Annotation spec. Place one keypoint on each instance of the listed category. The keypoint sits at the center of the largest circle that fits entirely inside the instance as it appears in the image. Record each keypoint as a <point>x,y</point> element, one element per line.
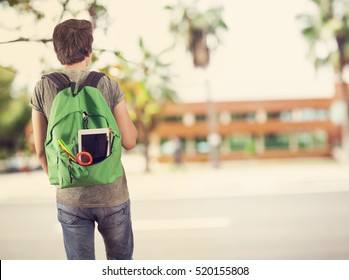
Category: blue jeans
<point>114,224</point>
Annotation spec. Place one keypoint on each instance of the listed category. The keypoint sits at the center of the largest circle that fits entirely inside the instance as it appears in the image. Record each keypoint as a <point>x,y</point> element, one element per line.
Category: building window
<point>312,139</point>
<point>172,119</point>
<point>273,115</point>
<point>201,118</point>
<point>277,141</point>
<point>249,117</point>
<point>242,142</point>
<point>310,114</point>
<point>201,145</point>
<point>167,146</point>
<point>285,116</point>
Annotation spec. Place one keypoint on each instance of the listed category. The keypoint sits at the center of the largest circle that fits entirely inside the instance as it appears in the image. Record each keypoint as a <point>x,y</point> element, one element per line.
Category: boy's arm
<point>128,130</point>
<point>39,132</point>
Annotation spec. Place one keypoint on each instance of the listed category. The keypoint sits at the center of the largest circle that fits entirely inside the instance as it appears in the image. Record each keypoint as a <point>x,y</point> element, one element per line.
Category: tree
<point>96,11</point>
<point>146,83</point>
<point>147,86</point>
<point>14,115</point>
<point>14,111</point>
<point>196,28</point>
<point>327,32</point>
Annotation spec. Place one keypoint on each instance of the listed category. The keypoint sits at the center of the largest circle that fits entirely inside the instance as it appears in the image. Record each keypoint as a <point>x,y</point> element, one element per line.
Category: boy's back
<point>102,195</point>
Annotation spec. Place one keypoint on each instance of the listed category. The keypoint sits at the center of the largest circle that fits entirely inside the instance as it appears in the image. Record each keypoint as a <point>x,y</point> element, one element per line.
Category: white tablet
<point>96,141</point>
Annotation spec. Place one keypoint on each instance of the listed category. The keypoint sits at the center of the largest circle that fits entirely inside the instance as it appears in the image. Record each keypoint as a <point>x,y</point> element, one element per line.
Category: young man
<point>79,208</point>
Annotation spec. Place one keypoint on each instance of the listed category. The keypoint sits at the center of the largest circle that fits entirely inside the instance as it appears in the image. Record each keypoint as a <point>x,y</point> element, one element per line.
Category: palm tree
<point>195,28</point>
<point>327,32</point>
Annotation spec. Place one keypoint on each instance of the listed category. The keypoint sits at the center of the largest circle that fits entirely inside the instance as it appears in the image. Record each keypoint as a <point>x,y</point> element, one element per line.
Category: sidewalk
<point>170,211</point>
<point>241,178</point>
<point>234,178</point>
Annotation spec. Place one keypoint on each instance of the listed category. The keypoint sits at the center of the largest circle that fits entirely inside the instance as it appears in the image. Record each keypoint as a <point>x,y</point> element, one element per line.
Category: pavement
<point>200,180</point>
<point>235,211</point>
<point>241,178</point>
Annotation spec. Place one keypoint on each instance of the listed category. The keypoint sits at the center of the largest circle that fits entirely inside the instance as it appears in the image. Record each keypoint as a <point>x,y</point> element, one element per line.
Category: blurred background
<point>242,113</point>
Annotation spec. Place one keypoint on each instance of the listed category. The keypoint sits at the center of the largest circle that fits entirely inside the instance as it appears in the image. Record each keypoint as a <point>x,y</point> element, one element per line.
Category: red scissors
<point>84,158</point>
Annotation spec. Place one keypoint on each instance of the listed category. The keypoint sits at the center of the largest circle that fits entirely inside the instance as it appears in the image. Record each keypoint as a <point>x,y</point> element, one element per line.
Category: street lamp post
<point>201,58</point>
<point>214,139</point>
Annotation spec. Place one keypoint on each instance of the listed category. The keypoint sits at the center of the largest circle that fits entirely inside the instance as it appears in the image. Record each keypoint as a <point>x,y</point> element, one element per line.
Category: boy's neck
<point>76,66</point>
<point>80,65</point>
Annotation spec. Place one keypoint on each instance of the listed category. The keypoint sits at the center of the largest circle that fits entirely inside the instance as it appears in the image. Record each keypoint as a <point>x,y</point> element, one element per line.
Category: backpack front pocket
<point>72,174</point>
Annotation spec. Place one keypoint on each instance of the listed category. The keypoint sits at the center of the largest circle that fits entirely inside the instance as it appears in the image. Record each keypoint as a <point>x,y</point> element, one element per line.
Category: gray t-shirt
<point>91,196</point>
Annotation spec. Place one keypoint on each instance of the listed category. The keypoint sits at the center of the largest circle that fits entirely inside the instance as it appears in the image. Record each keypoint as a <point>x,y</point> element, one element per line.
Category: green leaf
<point>140,42</point>
<point>346,51</point>
<point>331,27</point>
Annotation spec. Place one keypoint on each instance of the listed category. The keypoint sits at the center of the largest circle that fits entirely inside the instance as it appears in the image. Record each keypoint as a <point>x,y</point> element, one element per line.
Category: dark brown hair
<point>72,40</point>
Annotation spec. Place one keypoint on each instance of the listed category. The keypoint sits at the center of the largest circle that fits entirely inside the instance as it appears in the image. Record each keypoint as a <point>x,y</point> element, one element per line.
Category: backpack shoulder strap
<point>61,80</point>
<point>93,79</point>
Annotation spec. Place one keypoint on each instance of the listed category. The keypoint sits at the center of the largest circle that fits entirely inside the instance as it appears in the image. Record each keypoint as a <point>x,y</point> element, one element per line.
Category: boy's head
<point>72,41</point>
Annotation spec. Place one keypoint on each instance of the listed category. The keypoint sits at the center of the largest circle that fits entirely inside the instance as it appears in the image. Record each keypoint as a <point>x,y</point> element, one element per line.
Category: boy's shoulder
<point>79,76</point>
<point>106,83</point>
<point>44,84</point>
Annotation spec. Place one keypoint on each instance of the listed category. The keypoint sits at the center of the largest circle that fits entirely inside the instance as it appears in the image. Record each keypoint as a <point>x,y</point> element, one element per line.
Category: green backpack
<point>75,108</point>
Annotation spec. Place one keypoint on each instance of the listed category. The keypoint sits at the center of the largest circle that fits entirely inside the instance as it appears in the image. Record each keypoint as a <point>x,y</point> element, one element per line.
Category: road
<point>244,210</point>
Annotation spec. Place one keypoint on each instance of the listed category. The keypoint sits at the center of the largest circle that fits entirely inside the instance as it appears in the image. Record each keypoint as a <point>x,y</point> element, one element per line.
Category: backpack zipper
<point>84,120</point>
<point>86,117</point>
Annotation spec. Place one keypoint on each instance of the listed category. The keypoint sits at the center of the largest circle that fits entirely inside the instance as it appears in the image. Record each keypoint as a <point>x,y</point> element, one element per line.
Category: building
<point>249,129</point>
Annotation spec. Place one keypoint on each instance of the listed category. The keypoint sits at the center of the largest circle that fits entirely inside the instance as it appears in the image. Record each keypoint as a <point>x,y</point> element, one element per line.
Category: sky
<point>262,55</point>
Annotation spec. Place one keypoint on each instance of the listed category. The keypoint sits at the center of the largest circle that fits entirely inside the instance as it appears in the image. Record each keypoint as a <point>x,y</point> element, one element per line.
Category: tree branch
<point>21,39</point>
<point>65,4</point>
<point>116,53</point>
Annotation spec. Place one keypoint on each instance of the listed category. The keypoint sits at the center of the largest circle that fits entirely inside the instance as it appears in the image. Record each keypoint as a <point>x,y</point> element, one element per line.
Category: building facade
<point>248,129</point>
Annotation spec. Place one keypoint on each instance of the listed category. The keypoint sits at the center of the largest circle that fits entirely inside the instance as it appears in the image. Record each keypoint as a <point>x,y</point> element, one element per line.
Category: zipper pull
<point>84,120</point>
